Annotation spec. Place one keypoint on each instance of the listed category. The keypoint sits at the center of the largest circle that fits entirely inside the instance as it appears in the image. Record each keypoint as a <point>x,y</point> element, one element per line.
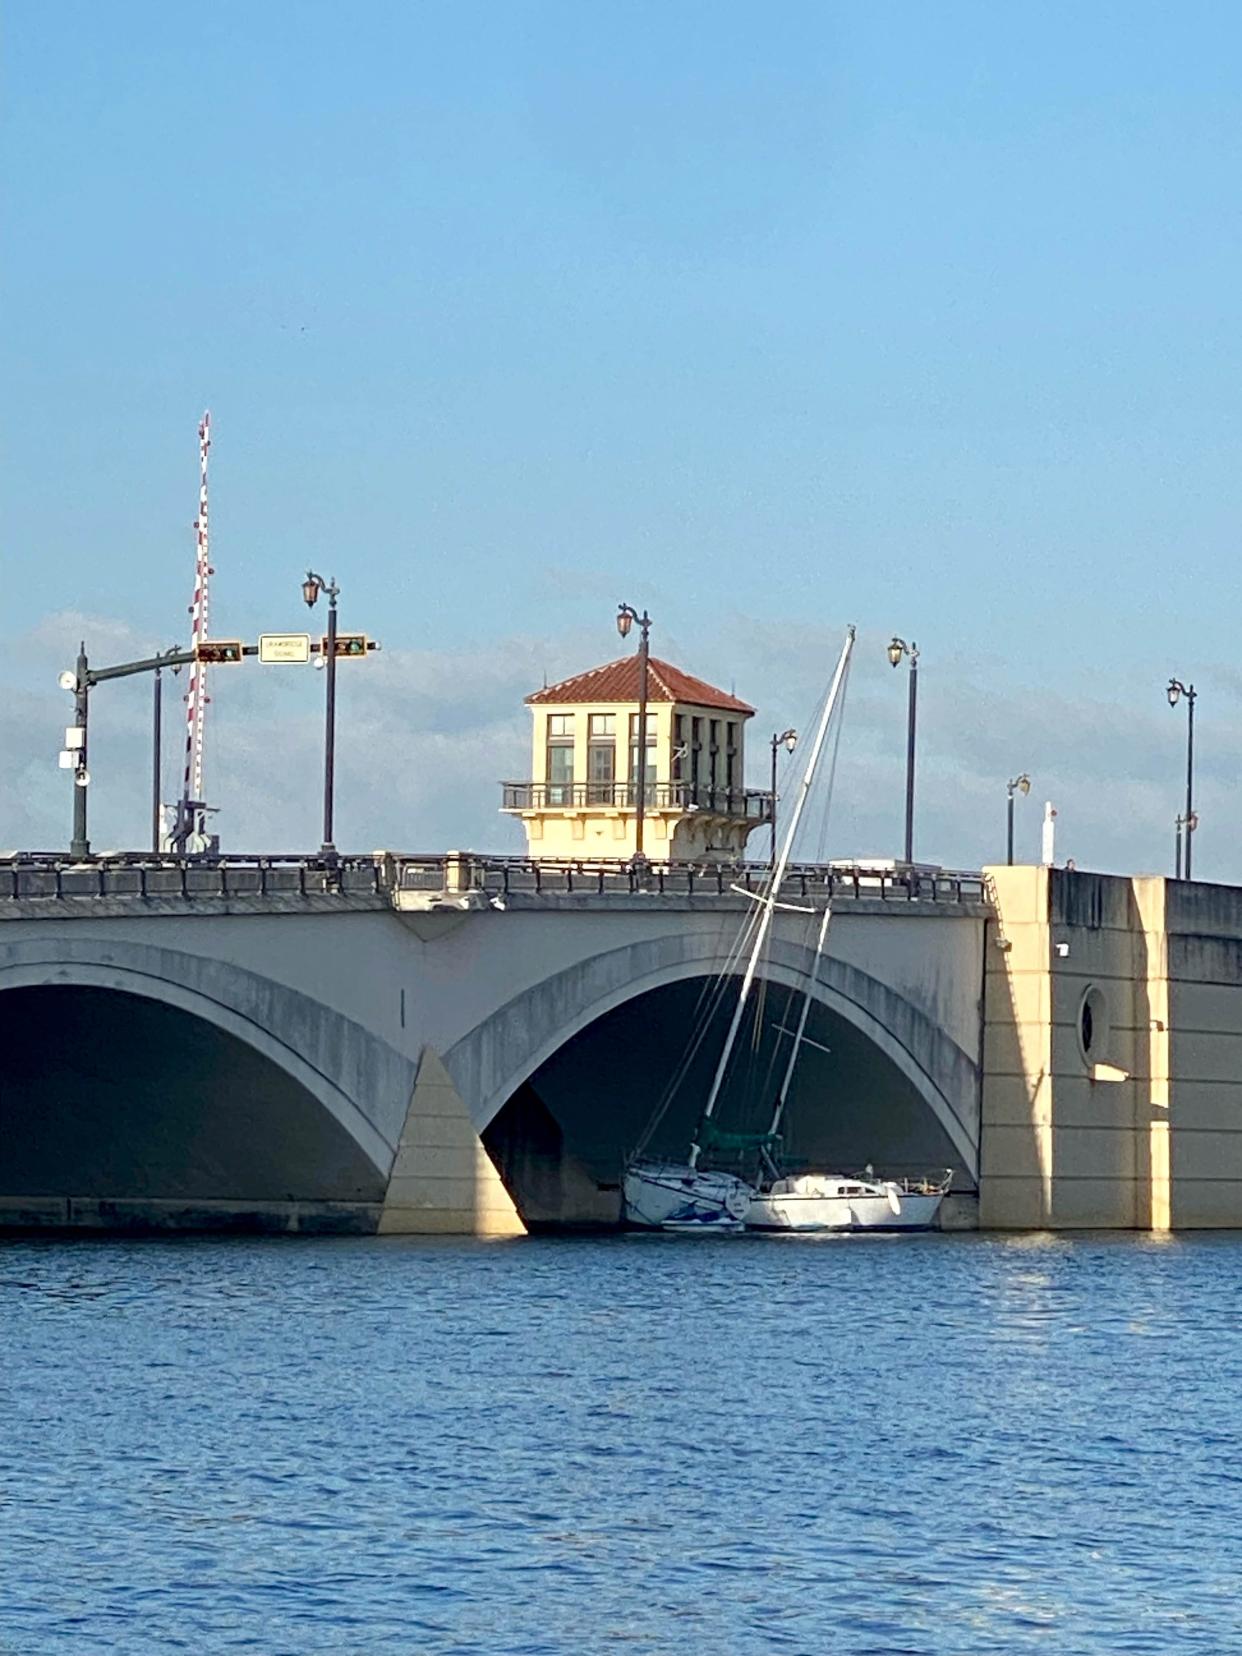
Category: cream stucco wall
<point>1143,1129</point>
<point>583,831</point>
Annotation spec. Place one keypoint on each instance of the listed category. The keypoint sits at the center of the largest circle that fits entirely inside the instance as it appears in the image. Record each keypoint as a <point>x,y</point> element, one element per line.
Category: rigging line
<point>830,785</point>
<point>803,1015</point>
<point>778,874</point>
<point>769,1069</point>
<point>763,977</point>
<point>711,995</point>
<point>813,972</point>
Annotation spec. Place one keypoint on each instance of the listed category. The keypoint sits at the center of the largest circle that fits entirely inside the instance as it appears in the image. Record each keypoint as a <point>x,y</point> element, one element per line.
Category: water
<point>644,1445</point>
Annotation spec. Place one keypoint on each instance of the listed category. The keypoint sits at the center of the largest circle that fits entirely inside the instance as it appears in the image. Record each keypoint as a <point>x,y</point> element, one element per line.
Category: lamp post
<point>896,650</point>
<point>789,739</point>
<point>627,615</point>
<point>1182,822</point>
<point>79,681</point>
<point>312,586</point>
<point>157,710</point>
<point>82,679</point>
<point>1020,784</point>
<point>1176,690</point>
<point>157,713</point>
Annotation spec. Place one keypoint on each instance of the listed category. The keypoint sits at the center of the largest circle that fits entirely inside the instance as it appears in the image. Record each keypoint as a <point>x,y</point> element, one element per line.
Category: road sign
<point>284,647</point>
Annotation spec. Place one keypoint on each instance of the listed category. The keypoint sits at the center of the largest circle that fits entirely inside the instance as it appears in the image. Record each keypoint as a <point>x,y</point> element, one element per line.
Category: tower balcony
<point>750,805</point>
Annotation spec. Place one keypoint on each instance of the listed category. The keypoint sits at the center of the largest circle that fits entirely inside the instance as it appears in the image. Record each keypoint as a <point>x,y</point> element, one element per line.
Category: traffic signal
<point>347,644</point>
<point>218,650</point>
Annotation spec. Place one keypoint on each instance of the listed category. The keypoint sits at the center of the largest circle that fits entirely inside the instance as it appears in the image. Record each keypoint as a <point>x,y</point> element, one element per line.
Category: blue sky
<point>923,317</point>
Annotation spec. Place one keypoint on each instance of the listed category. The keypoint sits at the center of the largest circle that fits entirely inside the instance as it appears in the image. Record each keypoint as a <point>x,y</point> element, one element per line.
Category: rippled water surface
<point>638,1444</point>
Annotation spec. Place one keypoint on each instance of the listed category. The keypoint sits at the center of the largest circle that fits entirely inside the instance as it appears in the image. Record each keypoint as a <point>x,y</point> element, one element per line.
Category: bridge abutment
<point>1112,1073</point>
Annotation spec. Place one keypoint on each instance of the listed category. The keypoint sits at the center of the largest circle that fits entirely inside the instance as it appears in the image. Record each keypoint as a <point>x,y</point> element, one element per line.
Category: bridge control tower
<point>581,802</point>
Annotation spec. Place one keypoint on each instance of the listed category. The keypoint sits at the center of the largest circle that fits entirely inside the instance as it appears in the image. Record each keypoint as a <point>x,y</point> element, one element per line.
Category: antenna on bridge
<point>190,829</point>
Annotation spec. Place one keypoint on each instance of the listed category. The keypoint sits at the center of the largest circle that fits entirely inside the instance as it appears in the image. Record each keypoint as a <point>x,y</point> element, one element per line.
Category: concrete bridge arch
<point>502,1053</point>
<point>233,1088</point>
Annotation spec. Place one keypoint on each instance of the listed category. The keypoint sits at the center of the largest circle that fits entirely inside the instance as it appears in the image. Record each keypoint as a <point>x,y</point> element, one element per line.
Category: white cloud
<point>426,736</point>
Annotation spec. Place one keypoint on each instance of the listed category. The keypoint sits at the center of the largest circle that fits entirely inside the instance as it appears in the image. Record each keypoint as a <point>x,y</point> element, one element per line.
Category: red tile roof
<point>617,681</point>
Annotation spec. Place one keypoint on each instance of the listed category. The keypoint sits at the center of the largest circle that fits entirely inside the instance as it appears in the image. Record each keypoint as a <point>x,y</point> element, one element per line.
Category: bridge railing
<point>755,804</point>
<point>125,874</point>
<point>506,876</point>
<point>385,875</point>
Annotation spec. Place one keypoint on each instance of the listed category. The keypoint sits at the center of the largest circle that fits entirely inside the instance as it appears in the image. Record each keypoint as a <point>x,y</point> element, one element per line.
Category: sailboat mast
<point>805,1011</point>
<point>774,885</point>
<point>803,1015</point>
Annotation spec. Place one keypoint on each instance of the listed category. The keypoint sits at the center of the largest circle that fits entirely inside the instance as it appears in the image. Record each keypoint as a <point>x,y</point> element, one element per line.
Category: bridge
<point>470,1044</point>
<point>450,1042</point>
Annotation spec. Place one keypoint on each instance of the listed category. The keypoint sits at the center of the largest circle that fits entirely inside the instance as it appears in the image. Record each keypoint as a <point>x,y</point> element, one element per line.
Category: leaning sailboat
<point>833,1201</point>
<point>686,1196</point>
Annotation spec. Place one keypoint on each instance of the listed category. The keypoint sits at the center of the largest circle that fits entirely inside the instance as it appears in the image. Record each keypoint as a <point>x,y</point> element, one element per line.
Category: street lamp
<point>627,615</point>
<point>1020,784</point>
<point>312,586</point>
<point>81,680</point>
<point>74,755</point>
<point>1188,823</point>
<point>789,740</point>
<point>157,710</point>
<point>896,650</point>
<point>1176,690</point>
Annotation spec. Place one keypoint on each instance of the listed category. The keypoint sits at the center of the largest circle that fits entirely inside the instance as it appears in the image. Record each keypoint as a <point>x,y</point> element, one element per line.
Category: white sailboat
<point>684,1197</point>
<point>668,1195</point>
<point>835,1201</point>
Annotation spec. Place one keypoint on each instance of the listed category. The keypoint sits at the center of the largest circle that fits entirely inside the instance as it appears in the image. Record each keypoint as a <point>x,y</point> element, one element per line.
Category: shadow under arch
<point>358,1079</point>
<point>128,1102</point>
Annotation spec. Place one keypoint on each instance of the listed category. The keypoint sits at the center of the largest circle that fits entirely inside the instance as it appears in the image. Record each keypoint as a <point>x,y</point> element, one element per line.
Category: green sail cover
<point>712,1137</point>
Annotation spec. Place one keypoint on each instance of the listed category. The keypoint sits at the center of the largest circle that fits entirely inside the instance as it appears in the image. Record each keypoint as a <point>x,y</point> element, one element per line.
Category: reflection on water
<point>642,1444</point>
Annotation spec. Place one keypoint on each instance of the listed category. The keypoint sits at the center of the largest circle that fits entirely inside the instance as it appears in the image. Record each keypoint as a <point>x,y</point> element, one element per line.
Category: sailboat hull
<point>673,1196</point>
<point>816,1203</point>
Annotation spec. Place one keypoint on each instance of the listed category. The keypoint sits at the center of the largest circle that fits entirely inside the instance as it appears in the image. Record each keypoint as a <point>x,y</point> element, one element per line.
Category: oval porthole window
<point>1093,1025</point>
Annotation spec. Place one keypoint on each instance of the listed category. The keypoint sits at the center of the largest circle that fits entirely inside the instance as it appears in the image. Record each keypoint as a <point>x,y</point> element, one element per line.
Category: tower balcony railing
<point>748,804</point>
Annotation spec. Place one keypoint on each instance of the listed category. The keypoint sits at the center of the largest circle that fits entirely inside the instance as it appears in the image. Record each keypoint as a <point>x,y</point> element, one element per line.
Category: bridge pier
<point>443,1181</point>
<point>1112,1072</point>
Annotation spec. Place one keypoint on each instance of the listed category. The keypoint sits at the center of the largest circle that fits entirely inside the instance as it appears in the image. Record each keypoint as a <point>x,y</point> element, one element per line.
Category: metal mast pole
<point>910,728</point>
<point>80,846</point>
<point>196,695</point>
<point>157,712</point>
<point>644,656</point>
<point>328,849</point>
<point>775,744</point>
<point>1190,774</point>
